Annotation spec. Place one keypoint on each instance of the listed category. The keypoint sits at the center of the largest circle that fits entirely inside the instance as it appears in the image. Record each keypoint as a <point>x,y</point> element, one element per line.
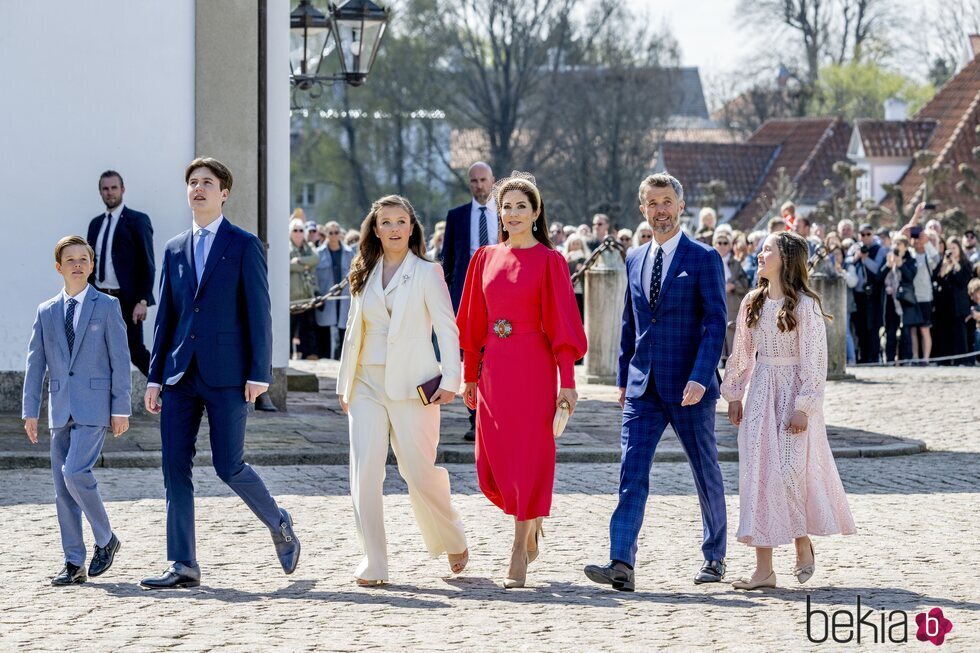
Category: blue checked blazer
<point>680,339</point>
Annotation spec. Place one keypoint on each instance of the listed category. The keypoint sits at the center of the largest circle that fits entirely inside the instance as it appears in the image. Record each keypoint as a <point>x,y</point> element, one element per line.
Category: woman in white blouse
<point>398,298</point>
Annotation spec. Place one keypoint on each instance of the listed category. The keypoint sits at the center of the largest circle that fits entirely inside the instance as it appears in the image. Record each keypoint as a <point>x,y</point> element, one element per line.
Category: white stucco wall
<point>87,86</point>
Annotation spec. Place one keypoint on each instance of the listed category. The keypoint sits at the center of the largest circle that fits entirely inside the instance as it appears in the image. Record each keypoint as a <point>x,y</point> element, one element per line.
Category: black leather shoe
<point>103,557</point>
<point>712,572</point>
<point>176,577</point>
<point>287,544</point>
<point>470,436</point>
<point>70,575</point>
<point>615,573</point>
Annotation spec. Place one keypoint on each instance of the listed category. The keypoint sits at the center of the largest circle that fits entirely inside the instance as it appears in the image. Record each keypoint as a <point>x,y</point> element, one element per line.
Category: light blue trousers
<point>74,451</point>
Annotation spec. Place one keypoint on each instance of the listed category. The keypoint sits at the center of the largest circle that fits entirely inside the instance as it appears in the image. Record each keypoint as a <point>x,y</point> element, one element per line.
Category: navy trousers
<point>183,407</point>
<point>644,421</point>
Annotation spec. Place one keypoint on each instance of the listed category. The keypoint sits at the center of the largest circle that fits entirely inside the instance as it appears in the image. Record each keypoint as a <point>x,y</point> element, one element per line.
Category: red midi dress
<point>528,293</point>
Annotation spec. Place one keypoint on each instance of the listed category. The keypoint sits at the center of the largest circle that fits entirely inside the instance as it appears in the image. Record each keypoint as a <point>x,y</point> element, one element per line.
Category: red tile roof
<point>807,149</point>
<point>894,138</point>
<point>739,165</point>
<point>956,110</point>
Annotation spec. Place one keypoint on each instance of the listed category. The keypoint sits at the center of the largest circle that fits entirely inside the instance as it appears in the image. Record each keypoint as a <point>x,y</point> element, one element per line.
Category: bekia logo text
<point>843,626</point>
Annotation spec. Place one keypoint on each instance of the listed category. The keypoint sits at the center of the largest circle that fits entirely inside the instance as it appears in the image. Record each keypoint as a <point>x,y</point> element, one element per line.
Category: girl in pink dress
<point>789,488</point>
<point>520,332</point>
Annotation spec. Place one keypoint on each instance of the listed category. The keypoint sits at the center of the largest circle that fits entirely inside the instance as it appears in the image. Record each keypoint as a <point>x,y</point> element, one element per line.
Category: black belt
<point>115,292</point>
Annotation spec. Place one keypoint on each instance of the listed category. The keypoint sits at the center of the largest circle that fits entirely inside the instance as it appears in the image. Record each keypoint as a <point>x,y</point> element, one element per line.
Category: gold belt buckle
<point>502,328</point>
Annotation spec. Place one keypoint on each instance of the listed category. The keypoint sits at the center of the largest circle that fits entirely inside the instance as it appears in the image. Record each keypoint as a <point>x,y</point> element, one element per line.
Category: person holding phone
<point>398,298</point>
<point>926,259</point>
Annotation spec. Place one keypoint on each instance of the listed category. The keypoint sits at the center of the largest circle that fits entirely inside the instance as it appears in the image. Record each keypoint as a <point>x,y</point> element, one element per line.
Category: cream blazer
<point>421,305</point>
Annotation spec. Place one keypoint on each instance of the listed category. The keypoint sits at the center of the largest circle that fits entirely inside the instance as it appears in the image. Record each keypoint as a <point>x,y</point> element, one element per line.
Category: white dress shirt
<point>111,281</point>
<point>195,238</point>
<point>669,248</point>
<point>728,272</point>
<point>491,214</point>
<point>80,298</point>
<point>213,231</point>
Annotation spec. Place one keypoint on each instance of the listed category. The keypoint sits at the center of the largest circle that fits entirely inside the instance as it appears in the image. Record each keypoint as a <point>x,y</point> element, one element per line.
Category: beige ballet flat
<point>747,584</point>
<point>365,582</point>
<point>804,573</point>
<point>457,561</point>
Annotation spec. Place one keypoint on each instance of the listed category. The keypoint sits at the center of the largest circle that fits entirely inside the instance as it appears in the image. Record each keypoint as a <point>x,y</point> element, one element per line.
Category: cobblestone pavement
<point>315,430</point>
<point>916,548</point>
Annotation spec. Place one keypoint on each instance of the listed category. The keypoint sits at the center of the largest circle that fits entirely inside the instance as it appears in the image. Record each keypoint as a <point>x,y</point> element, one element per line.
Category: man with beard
<point>123,242</point>
<point>672,336</point>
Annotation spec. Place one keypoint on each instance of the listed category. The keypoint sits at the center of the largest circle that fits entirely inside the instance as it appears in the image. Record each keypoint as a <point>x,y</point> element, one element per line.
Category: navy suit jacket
<point>226,323</point>
<point>680,339</point>
<point>456,250</point>
<point>132,254</point>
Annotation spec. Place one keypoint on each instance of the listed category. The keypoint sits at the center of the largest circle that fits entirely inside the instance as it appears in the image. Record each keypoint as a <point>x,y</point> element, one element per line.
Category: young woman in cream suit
<point>398,298</point>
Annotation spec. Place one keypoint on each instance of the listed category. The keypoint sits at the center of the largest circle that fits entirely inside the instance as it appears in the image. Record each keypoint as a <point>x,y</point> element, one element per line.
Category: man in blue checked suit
<point>212,350</point>
<point>672,336</point>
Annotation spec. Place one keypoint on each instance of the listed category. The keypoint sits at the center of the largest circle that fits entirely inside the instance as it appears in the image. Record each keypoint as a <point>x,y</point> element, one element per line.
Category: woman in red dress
<point>520,333</point>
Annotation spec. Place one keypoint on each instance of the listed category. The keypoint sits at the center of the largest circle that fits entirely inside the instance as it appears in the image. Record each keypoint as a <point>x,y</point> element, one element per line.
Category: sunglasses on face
<point>867,233</point>
<point>723,243</point>
<point>333,233</point>
<point>299,231</point>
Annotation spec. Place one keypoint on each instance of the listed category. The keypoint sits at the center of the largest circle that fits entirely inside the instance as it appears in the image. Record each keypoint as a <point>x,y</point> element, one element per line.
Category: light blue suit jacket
<point>91,384</point>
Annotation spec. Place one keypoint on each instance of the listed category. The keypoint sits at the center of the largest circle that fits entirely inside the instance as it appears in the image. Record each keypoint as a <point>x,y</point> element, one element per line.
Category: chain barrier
<point>607,244</point>
<point>302,305</point>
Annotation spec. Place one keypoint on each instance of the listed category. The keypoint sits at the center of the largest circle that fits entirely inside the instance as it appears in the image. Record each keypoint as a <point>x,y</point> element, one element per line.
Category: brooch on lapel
<point>405,278</point>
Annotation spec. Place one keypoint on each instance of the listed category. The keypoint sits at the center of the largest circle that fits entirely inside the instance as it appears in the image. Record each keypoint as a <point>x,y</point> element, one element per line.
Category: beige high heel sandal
<point>511,583</point>
<point>367,582</point>
<point>457,561</point>
<point>538,534</point>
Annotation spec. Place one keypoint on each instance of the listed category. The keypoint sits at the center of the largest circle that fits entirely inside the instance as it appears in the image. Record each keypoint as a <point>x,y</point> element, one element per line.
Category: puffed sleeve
<point>560,318</point>
<point>813,357</point>
<point>741,362</point>
<point>472,318</point>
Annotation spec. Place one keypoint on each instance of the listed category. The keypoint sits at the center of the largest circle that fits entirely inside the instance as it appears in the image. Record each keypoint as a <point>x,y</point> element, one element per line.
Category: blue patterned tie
<point>655,278</point>
<point>70,324</point>
<point>484,231</point>
<point>199,257</point>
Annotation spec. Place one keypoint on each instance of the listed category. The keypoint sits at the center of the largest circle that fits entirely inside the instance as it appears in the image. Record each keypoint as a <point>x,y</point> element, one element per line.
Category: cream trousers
<point>413,430</point>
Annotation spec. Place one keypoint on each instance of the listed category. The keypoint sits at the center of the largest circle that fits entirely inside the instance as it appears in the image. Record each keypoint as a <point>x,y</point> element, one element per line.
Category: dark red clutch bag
<point>428,389</point>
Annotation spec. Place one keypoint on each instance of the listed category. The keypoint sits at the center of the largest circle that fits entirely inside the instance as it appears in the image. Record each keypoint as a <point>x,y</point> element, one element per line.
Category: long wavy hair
<point>534,197</point>
<point>795,279</point>
<point>370,248</point>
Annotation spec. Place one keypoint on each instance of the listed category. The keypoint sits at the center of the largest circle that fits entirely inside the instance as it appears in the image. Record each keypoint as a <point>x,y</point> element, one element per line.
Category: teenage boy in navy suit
<point>212,350</point>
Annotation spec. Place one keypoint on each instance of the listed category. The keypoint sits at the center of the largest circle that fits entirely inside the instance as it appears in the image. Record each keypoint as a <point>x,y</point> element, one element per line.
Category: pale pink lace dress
<point>788,483</point>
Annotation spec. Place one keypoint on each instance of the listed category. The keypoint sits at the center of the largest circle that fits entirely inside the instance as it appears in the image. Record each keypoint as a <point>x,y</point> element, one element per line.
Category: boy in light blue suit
<point>79,339</point>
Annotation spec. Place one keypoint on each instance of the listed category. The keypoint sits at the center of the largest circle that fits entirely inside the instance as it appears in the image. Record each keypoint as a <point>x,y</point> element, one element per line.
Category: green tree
<point>859,90</point>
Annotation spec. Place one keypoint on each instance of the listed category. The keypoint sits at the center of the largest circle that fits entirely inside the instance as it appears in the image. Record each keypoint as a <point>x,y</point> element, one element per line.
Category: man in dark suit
<point>469,227</point>
<point>212,348</point>
<point>672,336</point>
<point>123,242</point>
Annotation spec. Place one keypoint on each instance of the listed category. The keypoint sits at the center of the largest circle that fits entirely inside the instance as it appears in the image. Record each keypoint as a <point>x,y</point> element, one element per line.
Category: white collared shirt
<point>670,247</point>
<point>111,281</point>
<point>212,229</point>
<point>80,298</point>
<point>491,214</point>
<point>728,271</point>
